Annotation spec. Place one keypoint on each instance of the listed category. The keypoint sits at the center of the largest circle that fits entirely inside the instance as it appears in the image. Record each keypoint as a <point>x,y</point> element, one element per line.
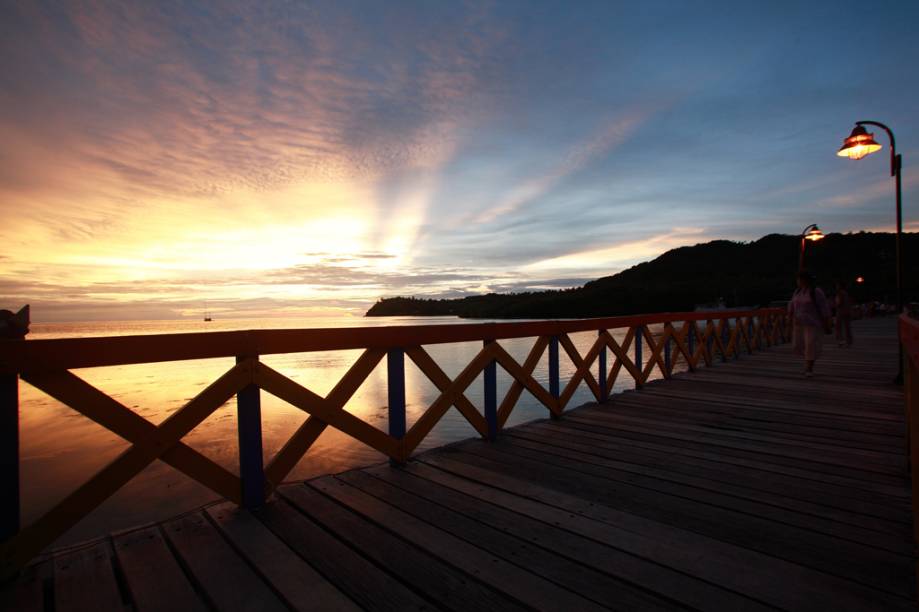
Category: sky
<point>292,158</point>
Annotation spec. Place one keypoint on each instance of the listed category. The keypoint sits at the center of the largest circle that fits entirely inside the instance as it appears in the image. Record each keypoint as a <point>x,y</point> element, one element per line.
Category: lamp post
<point>812,233</point>
<point>859,144</point>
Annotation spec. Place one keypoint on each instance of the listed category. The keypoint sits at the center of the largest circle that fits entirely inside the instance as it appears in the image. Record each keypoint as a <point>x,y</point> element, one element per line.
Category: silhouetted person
<point>810,313</point>
<point>843,315</point>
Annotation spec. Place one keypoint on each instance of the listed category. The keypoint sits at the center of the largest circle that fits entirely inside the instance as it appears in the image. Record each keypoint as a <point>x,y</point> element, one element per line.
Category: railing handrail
<point>18,356</point>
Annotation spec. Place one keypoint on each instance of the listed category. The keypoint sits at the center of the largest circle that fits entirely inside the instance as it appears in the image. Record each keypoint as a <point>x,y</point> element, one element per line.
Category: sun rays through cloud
<point>285,157</point>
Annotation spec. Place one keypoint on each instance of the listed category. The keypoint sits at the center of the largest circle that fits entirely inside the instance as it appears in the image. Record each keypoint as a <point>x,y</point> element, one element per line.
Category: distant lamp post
<point>812,233</point>
<point>859,144</point>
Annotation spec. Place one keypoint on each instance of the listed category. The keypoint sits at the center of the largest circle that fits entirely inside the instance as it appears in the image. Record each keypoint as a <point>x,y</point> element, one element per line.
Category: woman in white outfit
<point>810,313</point>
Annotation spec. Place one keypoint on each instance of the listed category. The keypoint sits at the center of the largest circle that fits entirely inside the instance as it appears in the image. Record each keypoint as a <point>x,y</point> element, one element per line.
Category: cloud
<point>623,254</point>
<point>614,134</point>
<point>866,194</point>
<point>329,152</point>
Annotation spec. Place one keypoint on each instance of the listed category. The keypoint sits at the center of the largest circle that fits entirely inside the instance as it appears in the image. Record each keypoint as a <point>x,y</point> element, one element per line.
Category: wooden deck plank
<point>593,568</point>
<point>363,581</point>
<point>796,487</point>
<point>640,489</point>
<point>845,558</point>
<point>84,580</point>
<point>224,577</point>
<point>789,424</point>
<point>857,485</point>
<point>577,572</point>
<point>736,567</point>
<point>301,586</point>
<point>745,397</point>
<point>873,530</point>
<point>519,587</point>
<point>152,574</point>
<point>872,454</point>
<point>888,461</point>
<point>430,574</point>
<point>847,476</point>
<point>839,462</point>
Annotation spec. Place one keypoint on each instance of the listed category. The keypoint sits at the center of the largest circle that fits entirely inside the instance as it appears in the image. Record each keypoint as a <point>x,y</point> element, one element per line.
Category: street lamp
<point>859,144</point>
<point>812,233</point>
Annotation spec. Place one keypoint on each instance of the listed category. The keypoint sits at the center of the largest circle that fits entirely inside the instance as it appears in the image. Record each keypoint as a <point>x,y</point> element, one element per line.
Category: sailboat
<point>207,314</point>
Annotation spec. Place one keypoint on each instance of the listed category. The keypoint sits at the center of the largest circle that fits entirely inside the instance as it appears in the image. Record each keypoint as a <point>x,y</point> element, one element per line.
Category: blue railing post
<point>710,342</point>
<point>638,364</point>
<point>691,341</point>
<point>395,381</point>
<point>9,455</point>
<point>491,396</point>
<point>601,374</point>
<point>667,366</point>
<point>554,389</point>
<point>249,426</point>
<point>738,326</point>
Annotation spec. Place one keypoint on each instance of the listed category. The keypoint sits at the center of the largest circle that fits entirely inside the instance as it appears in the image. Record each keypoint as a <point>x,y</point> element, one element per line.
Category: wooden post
<point>709,343</point>
<point>395,378</point>
<point>601,374</point>
<point>667,364</point>
<point>9,456</point>
<point>750,339</point>
<point>490,376</point>
<point>638,364</point>
<point>249,426</point>
<point>725,335</point>
<point>553,372</point>
<point>691,344</point>
<point>738,327</point>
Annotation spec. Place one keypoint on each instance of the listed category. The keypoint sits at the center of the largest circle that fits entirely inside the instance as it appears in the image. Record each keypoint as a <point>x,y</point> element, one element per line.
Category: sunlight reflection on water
<point>61,449</point>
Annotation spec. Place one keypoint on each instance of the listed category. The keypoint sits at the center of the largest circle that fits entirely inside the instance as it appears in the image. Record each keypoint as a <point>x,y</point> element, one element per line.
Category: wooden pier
<point>743,486</point>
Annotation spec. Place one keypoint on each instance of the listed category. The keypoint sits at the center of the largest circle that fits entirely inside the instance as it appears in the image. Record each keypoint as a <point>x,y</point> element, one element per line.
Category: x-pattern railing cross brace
<point>696,340</point>
<point>147,446</point>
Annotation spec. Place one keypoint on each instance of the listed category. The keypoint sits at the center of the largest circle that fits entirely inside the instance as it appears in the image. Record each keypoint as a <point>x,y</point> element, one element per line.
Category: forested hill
<point>740,273</point>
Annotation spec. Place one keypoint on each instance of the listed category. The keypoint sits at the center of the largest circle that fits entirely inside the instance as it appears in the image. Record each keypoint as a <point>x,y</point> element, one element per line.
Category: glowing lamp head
<point>859,279</point>
<point>813,234</point>
<point>859,144</point>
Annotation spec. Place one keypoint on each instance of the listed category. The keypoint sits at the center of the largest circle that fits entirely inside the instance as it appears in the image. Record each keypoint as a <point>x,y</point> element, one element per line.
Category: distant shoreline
<point>733,273</point>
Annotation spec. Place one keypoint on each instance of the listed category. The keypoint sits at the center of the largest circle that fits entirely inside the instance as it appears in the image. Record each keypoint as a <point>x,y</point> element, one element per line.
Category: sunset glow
<point>305,158</point>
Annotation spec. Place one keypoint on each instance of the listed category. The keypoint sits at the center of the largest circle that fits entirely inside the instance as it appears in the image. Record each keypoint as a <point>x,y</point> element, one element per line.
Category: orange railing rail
<point>697,338</point>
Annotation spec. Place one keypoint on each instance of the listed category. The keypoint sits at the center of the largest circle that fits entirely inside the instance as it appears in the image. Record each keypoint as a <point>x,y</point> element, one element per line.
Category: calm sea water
<point>61,449</point>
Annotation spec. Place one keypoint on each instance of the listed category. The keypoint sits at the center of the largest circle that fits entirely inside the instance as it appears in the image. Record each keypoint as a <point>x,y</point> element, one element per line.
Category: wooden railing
<point>695,338</point>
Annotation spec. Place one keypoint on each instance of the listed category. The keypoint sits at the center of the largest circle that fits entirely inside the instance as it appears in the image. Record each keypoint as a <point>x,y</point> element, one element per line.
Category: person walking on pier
<point>843,315</point>
<point>810,313</point>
